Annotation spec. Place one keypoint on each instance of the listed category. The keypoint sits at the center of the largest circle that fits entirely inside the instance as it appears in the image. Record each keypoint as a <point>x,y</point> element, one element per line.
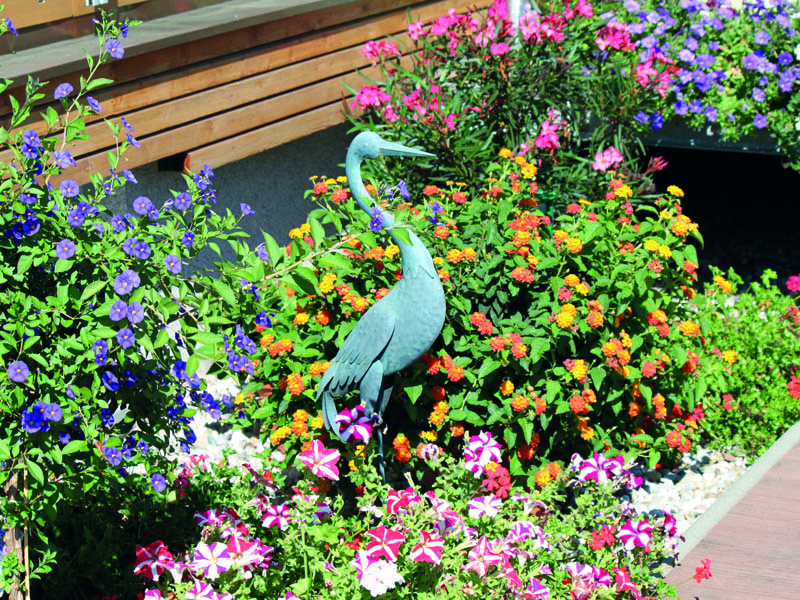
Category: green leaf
<point>597,374</point>
<point>161,339</point>
<point>401,233</point>
<point>24,263</point>
<point>466,415</point>
<point>96,83</point>
<point>74,446</point>
<point>335,260</point>
<point>224,291</point>
<point>62,264</point>
<point>191,365</point>
<point>527,429</point>
<point>91,289</point>
<point>35,470</point>
<point>317,231</point>
<point>414,392</point>
<point>487,367</point>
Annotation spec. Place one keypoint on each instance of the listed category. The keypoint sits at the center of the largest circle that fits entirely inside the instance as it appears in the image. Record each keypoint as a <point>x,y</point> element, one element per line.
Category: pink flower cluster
<point>610,158</point>
<point>539,30</point>
<point>614,35</point>
<point>379,50</point>
<point>646,74</point>
<point>793,285</point>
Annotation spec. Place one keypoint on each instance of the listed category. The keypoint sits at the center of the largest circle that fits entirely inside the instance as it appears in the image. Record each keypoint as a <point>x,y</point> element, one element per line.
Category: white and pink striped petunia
<point>211,560</point>
<point>386,542</point>
<point>322,462</point>
<point>429,549</point>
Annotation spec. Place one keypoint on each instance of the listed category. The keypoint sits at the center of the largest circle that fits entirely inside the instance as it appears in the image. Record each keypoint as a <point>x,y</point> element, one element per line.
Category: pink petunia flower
<point>386,542</point>
<point>480,451</point>
<point>429,549</point>
<point>152,560</point>
<point>635,533</point>
<point>397,500</point>
<point>211,559</point>
<point>277,515</point>
<point>481,558</point>
<point>484,505</point>
<point>200,591</point>
<point>322,462</point>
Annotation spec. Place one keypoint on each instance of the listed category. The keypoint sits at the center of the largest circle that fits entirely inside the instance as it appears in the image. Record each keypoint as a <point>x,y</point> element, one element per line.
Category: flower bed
<point>575,342</point>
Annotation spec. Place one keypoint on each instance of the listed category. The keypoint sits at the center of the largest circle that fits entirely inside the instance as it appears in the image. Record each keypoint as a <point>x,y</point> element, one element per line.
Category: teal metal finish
<point>398,328</point>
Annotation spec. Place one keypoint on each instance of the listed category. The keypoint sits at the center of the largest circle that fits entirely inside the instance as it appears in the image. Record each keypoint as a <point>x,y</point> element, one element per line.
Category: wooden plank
<point>754,548</point>
<point>201,133</point>
<point>154,63</point>
<point>27,13</point>
<point>264,138</point>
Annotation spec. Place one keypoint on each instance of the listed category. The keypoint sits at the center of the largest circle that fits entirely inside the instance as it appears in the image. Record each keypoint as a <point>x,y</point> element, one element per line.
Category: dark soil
<point>747,207</point>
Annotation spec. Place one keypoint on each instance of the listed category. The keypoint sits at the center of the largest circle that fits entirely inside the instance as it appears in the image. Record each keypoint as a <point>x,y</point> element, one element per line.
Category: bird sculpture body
<point>402,325</point>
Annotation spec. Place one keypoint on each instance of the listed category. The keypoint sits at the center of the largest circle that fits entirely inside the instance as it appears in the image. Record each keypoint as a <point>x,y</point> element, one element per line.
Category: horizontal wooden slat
<point>165,59</point>
<point>28,13</point>
<point>264,138</point>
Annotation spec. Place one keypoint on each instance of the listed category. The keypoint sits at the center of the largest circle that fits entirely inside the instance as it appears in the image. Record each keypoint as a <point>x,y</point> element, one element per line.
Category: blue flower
<point>118,310</point>
<point>94,104</point>
<point>376,223</point>
<point>711,113</point>
<point>642,118</point>
<point>704,61</point>
<point>141,250</point>
<point>760,121</point>
<point>143,447</point>
<point>63,438</point>
<point>183,201</point>
<point>113,455</point>
<point>110,381</point>
<point>188,239</point>
<point>129,246</point>
<point>762,37</point>
<point>680,108</point>
<point>62,91</point>
<point>135,313</point>
<point>63,158</point>
<point>106,417</point>
<point>173,263</point>
<point>52,412</point>
<point>31,138</point>
<point>129,176</point>
<point>32,420</point>
<point>158,482</point>
<point>262,320</point>
<point>686,56</point>
<point>11,27</point>
<point>142,205</point>
<point>114,48</point>
<point>123,284</point>
<point>246,210</point>
<point>133,141</point>
<point>696,106</point>
<point>118,224</point>
<point>656,121</point>
<point>758,95</point>
<point>402,188</point>
<point>69,188</point>
<point>784,58</point>
<point>18,371</point>
<point>691,43</point>
<point>125,337</point>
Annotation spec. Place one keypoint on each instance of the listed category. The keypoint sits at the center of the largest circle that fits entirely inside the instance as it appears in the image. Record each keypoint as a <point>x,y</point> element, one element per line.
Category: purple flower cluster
<point>39,416</point>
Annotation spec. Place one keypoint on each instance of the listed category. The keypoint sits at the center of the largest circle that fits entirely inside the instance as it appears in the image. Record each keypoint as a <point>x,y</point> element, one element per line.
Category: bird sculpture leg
<point>375,391</point>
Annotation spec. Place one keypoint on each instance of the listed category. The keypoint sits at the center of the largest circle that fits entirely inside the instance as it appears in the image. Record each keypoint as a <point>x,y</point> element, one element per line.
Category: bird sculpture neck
<point>416,259</point>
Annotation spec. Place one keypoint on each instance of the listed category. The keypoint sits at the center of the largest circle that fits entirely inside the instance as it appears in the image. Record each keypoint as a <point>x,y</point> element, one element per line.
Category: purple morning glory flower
<point>762,37</point>
<point>32,420</point>
<point>704,61</point>
<point>31,226</point>
<point>173,263</point>
<point>18,371</point>
<point>657,121</point>
<point>123,284</point>
<point>133,276</point>
<point>135,313</point>
<point>129,246</point>
<point>760,121</point>
<point>31,138</point>
<point>784,58</point>
<point>117,224</point>
<point>114,48</point>
<point>65,249</point>
<point>11,27</point>
<point>118,311</point>
<point>758,95</point>
<point>69,188</point>
<point>680,107</point>
<point>129,176</point>
<point>158,482</point>
<point>142,205</point>
<point>113,455</point>
<point>75,218</point>
<point>751,62</point>
<point>63,437</point>
<point>142,250</point>
<point>262,320</point>
<point>711,113</point>
<point>696,106</point>
<point>183,201</point>
<point>106,417</point>
<point>631,6</point>
<point>110,381</point>
<point>133,141</point>
<point>376,223</point>
<point>686,56</point>
<point>62,91</point>
<point>642,118</point>
<point>27,198</point>
<point>188,239</point>
<point>52,412</point>
<point>125,337</point>
<point>691,43</point>
<point>29,151</point>
<point>94,104</point>
<point>63,158</point>
<point>153,213</point>
<point>143,447</point>
<point>246,210</point>
<point>100,347</point>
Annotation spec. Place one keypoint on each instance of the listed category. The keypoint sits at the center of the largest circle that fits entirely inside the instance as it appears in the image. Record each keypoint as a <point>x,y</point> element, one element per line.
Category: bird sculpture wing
<point>361,348</point>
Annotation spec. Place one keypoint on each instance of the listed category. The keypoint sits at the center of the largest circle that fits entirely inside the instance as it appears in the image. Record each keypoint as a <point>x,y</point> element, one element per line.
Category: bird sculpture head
<point>368,144</point>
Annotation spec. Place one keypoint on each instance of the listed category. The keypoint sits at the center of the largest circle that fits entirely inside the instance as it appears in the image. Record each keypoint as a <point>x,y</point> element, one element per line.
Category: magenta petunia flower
<point>481,558</point>
<point>480,451</point>
<point>635,533</point>
<point>429,549</point>
<point>152,560</point>
<point>211,560</point>
<point>484,506</point>
<point>277,515</point>
<point>354,424</point>
<point>386,542</point>
<point>322,462</point>
<point>397,500</point>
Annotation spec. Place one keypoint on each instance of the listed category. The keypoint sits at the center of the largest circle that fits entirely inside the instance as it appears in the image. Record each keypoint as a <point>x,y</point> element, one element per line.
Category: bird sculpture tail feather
<point>329,413</point>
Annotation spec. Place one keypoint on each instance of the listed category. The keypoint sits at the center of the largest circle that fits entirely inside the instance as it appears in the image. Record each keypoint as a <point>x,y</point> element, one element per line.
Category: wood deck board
<point>755,548</point>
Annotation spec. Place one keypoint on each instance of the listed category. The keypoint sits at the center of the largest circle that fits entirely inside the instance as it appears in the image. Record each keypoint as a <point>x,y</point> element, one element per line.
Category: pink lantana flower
<point>322,462</point>
<point>386,542</point>
<point>429,549</point>
<point>211,559</point>
<point>152,560</point>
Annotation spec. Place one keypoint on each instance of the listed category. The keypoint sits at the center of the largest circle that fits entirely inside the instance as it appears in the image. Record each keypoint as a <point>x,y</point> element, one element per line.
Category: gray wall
<point>272,182</point>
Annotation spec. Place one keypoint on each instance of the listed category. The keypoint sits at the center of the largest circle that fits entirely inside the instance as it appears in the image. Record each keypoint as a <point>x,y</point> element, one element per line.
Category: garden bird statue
<point>399,327</point>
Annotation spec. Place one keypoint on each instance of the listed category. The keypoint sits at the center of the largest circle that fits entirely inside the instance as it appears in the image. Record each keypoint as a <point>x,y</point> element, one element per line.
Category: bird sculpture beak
<point>393,149</point>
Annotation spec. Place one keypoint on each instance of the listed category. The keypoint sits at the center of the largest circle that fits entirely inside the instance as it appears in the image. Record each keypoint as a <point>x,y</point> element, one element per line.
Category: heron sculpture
<point>397,329</point>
